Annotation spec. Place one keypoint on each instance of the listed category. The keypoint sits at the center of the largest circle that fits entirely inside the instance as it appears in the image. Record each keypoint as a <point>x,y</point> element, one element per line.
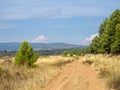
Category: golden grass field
<point>21,78</point>
<point>49,67</point>
<point>108,67</point>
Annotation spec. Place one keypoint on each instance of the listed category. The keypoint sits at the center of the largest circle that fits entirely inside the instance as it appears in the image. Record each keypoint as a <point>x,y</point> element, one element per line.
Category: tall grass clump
<point>0,70</point>
<point>22,78</point>
<point>111,72</point>
<point>108,67</point>
<point>48,68</point>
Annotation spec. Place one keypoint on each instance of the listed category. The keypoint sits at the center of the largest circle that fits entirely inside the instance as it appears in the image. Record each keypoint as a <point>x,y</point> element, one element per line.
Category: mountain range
<point>14,46</point>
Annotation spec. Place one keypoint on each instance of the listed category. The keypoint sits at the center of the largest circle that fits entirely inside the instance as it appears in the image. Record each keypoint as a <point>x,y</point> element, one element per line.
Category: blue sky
<point>47,21</point>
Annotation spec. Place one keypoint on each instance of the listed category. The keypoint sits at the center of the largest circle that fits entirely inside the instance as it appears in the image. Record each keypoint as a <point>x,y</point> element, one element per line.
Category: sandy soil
<point>76,76</point>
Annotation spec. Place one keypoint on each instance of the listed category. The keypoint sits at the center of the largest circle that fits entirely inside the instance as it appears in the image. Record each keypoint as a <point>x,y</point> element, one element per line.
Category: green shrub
<point>25,55</point>
<point>65,53</point>
<point>0,70</point>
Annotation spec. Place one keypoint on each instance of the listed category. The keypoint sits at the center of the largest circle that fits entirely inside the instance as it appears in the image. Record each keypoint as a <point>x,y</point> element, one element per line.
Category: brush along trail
<point>76,76</point>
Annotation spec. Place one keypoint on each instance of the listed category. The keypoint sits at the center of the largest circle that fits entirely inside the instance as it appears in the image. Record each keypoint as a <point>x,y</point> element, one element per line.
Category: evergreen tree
<point>115,47</point>
<point>94,45</point>
<point>25,55</point>
<point>102,27</point>
<point>109,33</point>
<point>108,40</point>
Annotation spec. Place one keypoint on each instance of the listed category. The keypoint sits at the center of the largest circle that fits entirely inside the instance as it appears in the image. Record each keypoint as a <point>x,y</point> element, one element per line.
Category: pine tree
<point>25,55</point>
<point>109,33</point>
<point>95,45</point>
<point>102,27</point>
<point>108,40</point>
<point>115,47</point>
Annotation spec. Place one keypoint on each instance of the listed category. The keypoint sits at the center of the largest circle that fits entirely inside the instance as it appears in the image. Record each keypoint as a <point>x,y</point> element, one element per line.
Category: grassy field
<point>21,78</point>
<point>107,66</point>
<point>48,67</point>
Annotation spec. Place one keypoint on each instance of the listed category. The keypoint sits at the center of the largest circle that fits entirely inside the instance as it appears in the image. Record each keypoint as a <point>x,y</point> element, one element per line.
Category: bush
<point>0,70</point>
<point>25,55</point>
<point>64,53</point>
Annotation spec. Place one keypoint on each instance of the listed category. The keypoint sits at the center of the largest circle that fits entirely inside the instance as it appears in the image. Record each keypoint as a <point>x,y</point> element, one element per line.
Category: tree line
<point>108,39</point>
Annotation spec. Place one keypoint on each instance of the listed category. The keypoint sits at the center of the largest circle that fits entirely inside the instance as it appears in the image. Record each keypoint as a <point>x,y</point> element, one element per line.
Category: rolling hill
<point>14,46</point>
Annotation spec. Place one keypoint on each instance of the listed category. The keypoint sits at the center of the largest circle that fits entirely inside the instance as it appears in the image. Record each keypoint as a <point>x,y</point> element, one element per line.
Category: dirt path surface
<point>76,76</point>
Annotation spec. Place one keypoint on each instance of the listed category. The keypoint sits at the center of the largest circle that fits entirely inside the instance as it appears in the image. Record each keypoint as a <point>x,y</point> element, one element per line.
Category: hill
<point>14,46</point>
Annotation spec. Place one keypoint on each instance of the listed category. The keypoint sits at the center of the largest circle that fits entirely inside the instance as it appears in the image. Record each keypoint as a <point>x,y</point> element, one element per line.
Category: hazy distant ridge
<point>13,46</point>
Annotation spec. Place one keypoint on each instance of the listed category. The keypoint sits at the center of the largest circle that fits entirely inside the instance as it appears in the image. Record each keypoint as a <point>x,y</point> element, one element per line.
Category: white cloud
<point>89,39</point>
<point>47,13</point>
<point>48,9</point>
<point>41,38</point>
<point>5,26</point>
<point>25,9</point>
<point>14,13</point>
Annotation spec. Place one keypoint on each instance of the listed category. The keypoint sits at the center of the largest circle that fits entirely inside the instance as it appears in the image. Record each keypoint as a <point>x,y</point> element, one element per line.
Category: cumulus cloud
<point>88,40</point>
<point>41,38</point>
<point>91,37</point>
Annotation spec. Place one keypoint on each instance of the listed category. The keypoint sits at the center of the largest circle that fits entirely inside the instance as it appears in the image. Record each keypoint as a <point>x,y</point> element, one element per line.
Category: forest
<point>108,39</point>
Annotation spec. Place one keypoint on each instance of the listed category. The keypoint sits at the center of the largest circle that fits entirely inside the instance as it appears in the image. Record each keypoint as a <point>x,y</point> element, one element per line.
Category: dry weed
<point>22,78</point>
<point>108,66</point>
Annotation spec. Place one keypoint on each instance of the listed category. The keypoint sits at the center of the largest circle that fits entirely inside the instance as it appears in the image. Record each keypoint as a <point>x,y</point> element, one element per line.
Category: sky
<point>48,21</point>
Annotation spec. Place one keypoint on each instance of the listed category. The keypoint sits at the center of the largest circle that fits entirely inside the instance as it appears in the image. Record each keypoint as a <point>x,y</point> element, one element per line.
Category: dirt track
<point>76,76</point>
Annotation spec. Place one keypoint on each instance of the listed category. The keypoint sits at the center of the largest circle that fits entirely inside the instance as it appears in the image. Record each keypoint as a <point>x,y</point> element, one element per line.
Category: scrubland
<point>107,67</point>
<point>22,78</point>
<point>49,67</point>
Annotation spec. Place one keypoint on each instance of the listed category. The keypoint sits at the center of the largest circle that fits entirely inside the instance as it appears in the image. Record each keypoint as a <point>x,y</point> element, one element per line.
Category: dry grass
<point>55,60</point>
<point>21,78</point>
<point>13,78</point>
<point>107,66</point>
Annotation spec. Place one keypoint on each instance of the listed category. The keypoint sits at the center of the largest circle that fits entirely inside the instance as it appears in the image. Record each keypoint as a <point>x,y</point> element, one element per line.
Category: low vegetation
<point>73,52</point>
<point>107,43</point>
<point>23,78</point>
<point>48,67</point>
<point>26,56</point>
<point>107,66</point>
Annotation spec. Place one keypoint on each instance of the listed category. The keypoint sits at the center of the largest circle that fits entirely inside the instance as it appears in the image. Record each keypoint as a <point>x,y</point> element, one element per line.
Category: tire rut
<point>76,76</point>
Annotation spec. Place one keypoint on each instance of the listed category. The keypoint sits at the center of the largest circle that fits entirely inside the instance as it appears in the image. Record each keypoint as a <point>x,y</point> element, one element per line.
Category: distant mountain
<point>14,46</point>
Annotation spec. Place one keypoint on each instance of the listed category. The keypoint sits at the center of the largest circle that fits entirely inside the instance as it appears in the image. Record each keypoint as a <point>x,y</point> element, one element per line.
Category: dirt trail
<point>76,76</point>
